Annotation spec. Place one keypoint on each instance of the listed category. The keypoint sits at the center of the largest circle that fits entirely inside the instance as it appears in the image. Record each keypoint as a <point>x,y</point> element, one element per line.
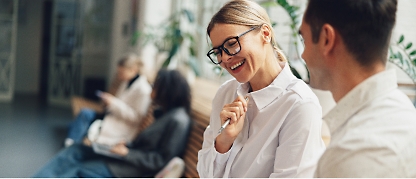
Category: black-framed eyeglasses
<point>231,47</point>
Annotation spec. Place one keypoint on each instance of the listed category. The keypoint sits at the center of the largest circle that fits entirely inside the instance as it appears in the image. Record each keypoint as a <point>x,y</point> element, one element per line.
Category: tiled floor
<point>31,133</point>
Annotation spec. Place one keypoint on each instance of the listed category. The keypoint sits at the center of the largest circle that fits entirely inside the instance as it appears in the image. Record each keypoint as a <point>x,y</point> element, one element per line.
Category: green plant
<point>170,37</point>
<point>404,57</point>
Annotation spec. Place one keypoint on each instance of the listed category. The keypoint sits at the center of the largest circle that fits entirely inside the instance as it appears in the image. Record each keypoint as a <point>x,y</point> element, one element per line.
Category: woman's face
<point>245,64</point>
<point>125,74</point>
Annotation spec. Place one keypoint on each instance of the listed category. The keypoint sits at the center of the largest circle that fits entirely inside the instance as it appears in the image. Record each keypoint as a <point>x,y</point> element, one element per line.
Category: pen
<point>228,121</point>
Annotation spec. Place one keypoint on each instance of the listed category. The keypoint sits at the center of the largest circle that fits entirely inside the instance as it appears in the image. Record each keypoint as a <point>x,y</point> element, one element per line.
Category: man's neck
<point>348,77</point>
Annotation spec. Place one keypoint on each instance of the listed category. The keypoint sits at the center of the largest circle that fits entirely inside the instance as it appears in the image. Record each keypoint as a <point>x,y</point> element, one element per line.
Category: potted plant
<point>170,38</point>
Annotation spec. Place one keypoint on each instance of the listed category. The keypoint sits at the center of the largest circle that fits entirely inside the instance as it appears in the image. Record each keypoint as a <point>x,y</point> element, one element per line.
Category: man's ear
<point>327,41</point>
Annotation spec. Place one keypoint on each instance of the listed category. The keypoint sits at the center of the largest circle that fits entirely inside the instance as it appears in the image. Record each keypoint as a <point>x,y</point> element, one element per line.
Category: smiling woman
<point>280,121</point>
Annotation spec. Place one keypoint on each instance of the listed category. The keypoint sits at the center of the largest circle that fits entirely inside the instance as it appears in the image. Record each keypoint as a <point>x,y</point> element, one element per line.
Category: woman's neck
<point>266,74</point>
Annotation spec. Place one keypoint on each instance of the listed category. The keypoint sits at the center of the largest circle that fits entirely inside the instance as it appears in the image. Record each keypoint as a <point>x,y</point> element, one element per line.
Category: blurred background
<point>51,50</point>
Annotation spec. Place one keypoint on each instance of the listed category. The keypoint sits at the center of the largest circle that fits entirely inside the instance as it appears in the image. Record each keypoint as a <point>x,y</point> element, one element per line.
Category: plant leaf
<point>172,52</point>
<point>400,57</point>
<point>400,39</point>
<point>409,45</point>
<point>412,53</point>
<point>190,15</point>
<point>192,51</point>
<point>134,38</point>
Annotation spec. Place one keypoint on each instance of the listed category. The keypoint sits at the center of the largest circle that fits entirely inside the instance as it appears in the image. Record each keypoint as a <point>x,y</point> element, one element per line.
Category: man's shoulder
<point>377,135</point>
<point>388,110</point>
<point>370,160</point>
<point>379,125</point>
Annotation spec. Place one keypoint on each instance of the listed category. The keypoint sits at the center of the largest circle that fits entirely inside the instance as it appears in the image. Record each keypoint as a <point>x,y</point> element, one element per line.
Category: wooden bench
<point>203,92</point>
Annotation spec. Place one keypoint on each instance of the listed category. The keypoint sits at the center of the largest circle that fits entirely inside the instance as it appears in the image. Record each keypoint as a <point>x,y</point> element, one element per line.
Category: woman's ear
<point>266,33</point>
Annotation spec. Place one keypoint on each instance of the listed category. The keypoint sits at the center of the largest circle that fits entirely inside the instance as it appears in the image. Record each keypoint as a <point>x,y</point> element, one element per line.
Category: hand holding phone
<point>98,93</point>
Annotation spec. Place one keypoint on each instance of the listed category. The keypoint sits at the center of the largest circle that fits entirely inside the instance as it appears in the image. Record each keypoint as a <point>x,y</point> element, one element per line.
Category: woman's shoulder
<point>179,115</point>
<point>142,85</point>
<point>179,112</point>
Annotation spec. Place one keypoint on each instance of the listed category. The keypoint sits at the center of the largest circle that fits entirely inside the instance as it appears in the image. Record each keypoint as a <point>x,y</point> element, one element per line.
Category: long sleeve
<point>300,142</point>
<point>131,104</point>
<point>126,112</point>
<point>160,142</point>
<point>211,164</point>
<point>123,111</point>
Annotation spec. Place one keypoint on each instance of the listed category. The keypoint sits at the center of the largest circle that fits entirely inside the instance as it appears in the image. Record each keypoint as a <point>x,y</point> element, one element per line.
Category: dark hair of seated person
<point>172,90</point>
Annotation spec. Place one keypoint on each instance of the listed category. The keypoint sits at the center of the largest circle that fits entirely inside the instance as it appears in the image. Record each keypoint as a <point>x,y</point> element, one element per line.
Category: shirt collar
<point>132,80</point>
<point>267,95</point>
<point>371,88</point>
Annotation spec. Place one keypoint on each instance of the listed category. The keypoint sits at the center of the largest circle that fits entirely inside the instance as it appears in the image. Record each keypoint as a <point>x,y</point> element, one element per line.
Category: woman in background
<point>124,111</point>
<point>152,149</point>
<point>274,118</point>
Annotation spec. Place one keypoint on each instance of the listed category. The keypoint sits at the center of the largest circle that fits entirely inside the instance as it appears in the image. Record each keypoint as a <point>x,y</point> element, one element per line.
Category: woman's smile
<point>237,67</point>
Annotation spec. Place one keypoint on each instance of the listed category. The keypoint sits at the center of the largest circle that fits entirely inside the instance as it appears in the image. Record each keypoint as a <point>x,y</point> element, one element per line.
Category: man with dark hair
<point>373,125</point>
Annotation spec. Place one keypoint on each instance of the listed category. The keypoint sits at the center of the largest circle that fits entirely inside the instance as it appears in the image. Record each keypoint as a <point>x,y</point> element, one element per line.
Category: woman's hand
<point>236,112</point>
<point>107,98</point>
<point>120,149</point>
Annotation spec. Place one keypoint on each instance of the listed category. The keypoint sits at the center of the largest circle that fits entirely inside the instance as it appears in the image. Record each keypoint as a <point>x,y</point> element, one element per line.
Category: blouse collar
<point>267,95</point>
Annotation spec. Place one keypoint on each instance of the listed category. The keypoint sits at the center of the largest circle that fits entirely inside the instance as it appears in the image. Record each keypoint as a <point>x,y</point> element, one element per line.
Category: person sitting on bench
<point>152,149</point>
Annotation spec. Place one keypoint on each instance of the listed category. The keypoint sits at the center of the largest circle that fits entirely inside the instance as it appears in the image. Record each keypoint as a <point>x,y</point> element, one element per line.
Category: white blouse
<point>281,136</point>
<point>126,112</point>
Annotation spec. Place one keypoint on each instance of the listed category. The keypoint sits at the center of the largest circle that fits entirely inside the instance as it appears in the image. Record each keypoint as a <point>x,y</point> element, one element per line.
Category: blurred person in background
<point>149,152</point>
<point>124,111</point>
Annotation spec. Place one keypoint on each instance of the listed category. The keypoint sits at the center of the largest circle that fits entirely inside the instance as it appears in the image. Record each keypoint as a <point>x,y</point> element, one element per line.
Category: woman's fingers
<point>244,101</point>
<point>227,114</point>
<point>234,110</point>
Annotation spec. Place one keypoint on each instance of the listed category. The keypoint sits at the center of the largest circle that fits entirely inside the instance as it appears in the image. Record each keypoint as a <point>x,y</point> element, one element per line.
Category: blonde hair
<point>130,61</point>
<point>246,13</point>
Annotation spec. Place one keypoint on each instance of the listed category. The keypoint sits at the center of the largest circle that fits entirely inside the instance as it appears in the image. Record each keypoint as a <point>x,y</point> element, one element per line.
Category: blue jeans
<point>78,129</point>
<point>75,161</point>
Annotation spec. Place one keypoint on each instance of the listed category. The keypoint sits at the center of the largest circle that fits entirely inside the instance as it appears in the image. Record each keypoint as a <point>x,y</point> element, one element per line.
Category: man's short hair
<point>364,25</point>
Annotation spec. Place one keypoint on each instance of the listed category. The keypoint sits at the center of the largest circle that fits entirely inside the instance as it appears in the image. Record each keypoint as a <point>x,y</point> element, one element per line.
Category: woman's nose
<point>225,57</point>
